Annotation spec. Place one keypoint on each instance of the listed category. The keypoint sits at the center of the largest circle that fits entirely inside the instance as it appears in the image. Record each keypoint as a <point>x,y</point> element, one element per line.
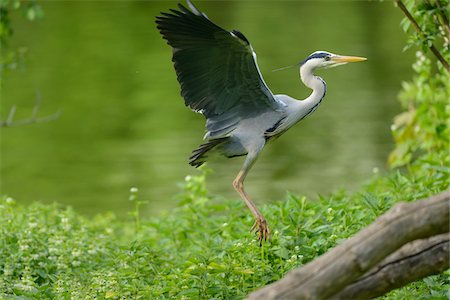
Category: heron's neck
<point>317,85</point>
<point>298,110</point>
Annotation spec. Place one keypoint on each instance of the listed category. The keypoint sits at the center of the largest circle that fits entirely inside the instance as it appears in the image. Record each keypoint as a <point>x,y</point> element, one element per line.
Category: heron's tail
<point>198,156</point>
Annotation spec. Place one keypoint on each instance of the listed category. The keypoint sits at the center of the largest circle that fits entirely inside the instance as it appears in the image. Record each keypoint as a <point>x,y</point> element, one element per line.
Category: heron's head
<point>325,60</point>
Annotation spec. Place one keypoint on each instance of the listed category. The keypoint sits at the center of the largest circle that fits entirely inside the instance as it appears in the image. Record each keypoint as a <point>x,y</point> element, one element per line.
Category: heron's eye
<point>327,58</point>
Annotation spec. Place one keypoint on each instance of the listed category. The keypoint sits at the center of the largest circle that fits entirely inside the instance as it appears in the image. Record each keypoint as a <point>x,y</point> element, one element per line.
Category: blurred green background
<point>123,123</point>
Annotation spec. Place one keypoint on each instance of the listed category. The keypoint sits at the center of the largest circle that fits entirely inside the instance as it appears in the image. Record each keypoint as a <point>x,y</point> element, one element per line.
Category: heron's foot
<point>261,229</point>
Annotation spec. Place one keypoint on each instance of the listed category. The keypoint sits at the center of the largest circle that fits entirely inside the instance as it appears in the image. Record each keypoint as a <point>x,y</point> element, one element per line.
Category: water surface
<point>124,124</point>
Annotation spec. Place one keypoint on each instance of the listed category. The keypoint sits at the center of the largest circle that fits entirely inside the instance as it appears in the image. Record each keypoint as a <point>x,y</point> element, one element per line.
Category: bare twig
<point>419,30</point>
<point>34,115</point>
<point>11,115</point>
<point>346,263</point>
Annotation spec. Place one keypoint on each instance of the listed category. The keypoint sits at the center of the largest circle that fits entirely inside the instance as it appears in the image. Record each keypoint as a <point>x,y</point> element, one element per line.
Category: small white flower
<point>61,266</point>
<point>7,272</point>
<point>32,224</point>
<point>76,263</point>
<point>24,287</point>
<point>134,189</point>
<point>24,247</point>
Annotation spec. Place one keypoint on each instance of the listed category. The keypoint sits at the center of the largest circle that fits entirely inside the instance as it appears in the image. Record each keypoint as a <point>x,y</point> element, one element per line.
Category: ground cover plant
<point>202,249</point>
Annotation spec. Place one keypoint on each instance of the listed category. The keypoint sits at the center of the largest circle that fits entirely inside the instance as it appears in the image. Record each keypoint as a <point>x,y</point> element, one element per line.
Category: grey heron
<point>220,78</point>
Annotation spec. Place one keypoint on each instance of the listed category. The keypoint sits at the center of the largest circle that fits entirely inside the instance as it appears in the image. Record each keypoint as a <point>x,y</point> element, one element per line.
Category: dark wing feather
<point>216,69</point>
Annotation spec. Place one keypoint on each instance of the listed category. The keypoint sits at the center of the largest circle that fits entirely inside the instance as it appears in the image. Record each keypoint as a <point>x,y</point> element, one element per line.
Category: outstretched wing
<point>216,69</point>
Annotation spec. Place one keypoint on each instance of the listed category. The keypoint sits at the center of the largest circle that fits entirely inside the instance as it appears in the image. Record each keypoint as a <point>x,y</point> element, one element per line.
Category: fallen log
<point>343,265</point>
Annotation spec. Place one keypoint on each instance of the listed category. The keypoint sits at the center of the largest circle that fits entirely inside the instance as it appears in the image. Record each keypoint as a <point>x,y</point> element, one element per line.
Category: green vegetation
<point>11,59</point>
<point>202,249</point>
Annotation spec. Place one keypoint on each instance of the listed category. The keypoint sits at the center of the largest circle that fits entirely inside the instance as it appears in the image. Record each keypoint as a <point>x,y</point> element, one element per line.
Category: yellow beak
<point>346,59</point>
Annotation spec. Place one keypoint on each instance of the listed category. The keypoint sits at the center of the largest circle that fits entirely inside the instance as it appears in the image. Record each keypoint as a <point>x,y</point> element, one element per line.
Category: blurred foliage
<point>13,58</point>
<point>422,132</point>
<point>432,17</point>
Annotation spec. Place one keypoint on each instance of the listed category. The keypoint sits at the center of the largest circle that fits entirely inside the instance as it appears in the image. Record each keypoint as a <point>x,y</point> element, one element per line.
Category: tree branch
<point>34,116</point>
<point>412,262</point>
<point>346,263</point>
<point>419,30</point>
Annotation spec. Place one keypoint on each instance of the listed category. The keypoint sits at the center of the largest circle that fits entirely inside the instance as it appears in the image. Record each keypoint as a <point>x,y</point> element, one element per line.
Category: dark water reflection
<point>124,124</point>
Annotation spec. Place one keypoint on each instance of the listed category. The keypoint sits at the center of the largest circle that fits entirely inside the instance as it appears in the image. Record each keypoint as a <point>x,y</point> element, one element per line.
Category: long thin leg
<point>238,183</point>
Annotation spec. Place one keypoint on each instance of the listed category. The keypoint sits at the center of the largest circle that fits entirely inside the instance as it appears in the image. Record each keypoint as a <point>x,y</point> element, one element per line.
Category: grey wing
<point>216,69</point>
